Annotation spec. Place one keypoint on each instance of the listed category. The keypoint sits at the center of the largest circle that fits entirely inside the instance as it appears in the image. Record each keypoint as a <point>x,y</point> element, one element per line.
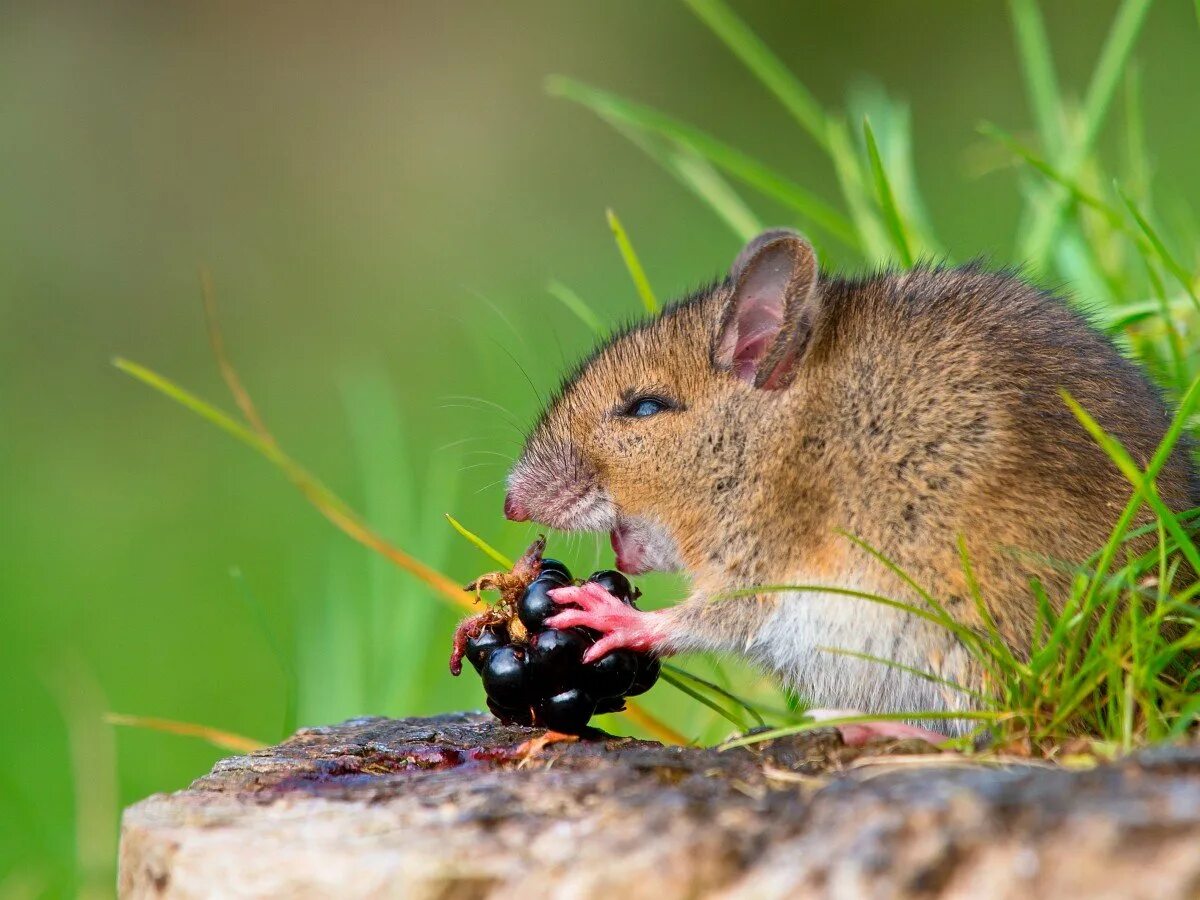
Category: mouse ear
<point>769,320</point>
<point>755,244</point>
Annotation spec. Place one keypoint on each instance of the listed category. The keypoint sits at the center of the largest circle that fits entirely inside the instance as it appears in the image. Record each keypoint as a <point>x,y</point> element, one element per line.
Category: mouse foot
<point>860,733</point>
<point>619,624</point>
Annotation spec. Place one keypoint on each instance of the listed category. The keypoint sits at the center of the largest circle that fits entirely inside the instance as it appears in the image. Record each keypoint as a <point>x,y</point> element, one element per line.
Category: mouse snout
<point>554,484</point>
<point>514,509</point>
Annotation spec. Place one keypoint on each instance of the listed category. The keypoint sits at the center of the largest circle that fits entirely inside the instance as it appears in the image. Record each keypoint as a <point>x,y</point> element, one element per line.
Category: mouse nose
<point>514,511</point>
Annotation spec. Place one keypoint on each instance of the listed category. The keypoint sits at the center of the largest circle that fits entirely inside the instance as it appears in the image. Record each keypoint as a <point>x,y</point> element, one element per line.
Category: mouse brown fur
<point>782,410</point>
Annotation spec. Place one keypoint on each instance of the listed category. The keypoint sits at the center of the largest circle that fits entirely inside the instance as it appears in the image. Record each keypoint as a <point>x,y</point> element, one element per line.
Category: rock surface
<point>453,807</point>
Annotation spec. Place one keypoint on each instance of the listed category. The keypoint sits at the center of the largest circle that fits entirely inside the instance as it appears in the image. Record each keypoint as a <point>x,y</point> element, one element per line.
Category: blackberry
<point>556,576</point>
<point>648,670</point>
<point>612,675</point>
<point>554,658</point>
<point>534,675</point>
<point>481,646</point>
<point>610,705</point>
<point>616,584</point>
<point>535,605</point>
<point>553,565</point>
<point>567,711</point>
<point>504,677</point>
<point>517,716</point>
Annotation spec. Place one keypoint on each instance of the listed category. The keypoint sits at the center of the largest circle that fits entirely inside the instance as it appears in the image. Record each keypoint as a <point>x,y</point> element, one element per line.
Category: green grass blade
<point>695,173</point>
<point>1043,622</point>
<point>291,682</point>
<point>213,415</point>
<point>872,235</point>
<point>1143,486</point>
<point>327,502</point>
<point>894,569</point>
<point>828,131</point>
<point>1166,316</point>
<point>716,689</point>
<point>1137,154</point>
<point>887,200</point>
<point>892,127</point>
<point>734,162</point>
<point>1034,161</point>
<point>331,632</point>
<point>441,482</point>
<point>900,573</point>
<point>1170,439</point>
<point>640,282</point>
<point>1145,236</point>
<point>1113,58</point>
<point>766,66</point>
<point>1174,433</point>
<point>575,304</point>
<point>985,652</point>
<point>679,685</point>
<point>1191,709</point>
<point>1068,703</point>
<point>1107,75</point>
<point>1171,264</point>
<point>387,644</point>
<point>938,617</point>
<point>1116,318</point>
<point>1008,660</point>
<point>933,715</point>
<point>1037,66</point>
<point>911,670</point>
<point>498,557</point>
<point>708,184</point>
<point>229,425</point>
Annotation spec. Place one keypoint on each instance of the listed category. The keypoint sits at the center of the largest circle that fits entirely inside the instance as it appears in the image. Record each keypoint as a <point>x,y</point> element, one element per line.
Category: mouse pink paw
<point>619,624</point>
<point>860,733</point>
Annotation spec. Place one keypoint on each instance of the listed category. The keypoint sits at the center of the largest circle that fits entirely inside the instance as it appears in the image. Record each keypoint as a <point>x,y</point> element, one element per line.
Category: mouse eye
<point>643,407</point>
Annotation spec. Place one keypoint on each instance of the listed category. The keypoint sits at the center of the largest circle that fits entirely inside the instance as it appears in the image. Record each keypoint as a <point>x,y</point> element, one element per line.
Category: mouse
<point>828,437</point>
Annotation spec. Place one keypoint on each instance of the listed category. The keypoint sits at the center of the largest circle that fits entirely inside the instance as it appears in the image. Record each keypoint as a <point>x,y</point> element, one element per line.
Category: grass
<point>1128,679</point>
<point>633,264</point>
<point>1114,664</point>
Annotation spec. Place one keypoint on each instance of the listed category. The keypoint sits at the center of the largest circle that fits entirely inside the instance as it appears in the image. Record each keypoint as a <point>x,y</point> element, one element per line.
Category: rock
<point>452,807</point>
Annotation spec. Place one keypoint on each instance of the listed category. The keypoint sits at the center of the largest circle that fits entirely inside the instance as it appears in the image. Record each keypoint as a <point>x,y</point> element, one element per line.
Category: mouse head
<point>653,437</point>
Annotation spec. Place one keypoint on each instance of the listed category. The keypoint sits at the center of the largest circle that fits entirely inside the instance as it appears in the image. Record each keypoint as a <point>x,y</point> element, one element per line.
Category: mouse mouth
<point>631,554</point>
<point>642,546</point>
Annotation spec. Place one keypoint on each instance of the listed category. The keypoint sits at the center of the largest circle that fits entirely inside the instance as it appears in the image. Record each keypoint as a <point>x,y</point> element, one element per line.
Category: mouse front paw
<point>620,625</point>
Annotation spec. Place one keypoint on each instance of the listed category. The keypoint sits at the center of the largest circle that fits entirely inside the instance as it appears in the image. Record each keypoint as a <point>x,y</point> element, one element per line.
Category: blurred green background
<point>381,193</point>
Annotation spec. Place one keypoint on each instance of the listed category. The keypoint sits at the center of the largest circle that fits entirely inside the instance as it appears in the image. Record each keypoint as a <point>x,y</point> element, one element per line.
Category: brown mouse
<point>743,432</point>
